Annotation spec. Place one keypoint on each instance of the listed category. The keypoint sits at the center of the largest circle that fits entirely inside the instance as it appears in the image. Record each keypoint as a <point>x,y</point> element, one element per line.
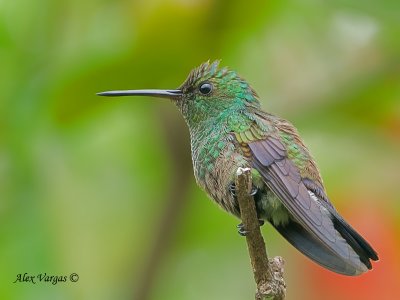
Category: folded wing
<point>314,229</point>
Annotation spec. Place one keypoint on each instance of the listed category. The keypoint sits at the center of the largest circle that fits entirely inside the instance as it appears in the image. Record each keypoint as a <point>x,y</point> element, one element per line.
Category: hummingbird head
<point>208,92</point>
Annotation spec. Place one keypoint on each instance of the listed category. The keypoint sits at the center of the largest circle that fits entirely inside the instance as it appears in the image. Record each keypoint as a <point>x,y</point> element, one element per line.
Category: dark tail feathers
<point>356,241</point>
<point>311,247</point>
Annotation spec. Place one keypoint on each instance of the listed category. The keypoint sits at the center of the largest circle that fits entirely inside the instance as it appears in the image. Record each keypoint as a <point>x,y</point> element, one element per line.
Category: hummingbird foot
<point>232,190</point>
<point>242,230</point>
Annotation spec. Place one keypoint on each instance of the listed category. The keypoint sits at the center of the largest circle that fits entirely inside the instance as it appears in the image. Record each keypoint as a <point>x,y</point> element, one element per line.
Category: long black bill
<point>171,94</point>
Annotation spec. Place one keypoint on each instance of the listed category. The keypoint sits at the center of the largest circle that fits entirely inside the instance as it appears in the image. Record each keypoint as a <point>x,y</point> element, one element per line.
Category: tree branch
<point>268,273</point>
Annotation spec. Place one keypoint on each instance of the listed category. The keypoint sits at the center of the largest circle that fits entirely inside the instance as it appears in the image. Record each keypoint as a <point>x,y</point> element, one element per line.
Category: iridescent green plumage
<point>228,129</point>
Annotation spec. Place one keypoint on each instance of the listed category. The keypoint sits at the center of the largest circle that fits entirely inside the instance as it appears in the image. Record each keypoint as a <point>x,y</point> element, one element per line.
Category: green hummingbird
<point>228,129</point>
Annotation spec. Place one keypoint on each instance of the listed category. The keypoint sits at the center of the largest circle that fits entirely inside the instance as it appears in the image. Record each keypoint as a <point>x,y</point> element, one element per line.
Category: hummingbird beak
<point>171,94</point>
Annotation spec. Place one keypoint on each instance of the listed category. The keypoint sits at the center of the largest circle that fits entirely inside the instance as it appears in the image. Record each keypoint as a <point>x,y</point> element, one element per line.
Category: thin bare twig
<point>268,273</point>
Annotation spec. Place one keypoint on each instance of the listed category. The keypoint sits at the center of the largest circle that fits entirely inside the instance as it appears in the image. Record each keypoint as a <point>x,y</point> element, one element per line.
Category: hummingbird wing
<point>318,230</point>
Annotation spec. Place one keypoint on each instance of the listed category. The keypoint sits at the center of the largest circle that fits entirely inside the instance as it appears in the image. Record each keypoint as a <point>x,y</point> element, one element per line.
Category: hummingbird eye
<point>205,88</point>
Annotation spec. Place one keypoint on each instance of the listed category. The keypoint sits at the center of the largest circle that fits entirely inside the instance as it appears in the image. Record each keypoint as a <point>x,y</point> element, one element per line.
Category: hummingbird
<point>229,129</point>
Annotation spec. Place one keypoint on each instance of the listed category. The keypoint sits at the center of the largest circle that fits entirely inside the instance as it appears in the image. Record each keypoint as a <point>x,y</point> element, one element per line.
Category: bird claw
<point>232,190</point>
<point>243,232</point>
<point>254,190</point>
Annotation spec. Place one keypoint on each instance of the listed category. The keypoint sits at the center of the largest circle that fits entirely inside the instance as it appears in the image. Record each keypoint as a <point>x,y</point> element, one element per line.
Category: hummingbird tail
<point>356,241</point>
<point>310,246</point>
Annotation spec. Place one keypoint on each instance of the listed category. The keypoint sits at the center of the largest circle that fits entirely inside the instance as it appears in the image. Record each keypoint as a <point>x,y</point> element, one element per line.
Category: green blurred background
<point>104,187</point>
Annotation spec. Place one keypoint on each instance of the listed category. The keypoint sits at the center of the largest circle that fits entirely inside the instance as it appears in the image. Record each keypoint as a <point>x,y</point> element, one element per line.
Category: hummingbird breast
<point>216,157</point>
